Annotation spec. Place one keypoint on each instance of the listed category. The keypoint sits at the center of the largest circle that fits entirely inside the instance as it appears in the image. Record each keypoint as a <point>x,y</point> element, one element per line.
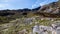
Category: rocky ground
<point>25,25</point>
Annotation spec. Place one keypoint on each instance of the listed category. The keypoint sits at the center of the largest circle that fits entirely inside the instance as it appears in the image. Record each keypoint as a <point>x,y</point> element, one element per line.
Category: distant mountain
<point>49,10</point>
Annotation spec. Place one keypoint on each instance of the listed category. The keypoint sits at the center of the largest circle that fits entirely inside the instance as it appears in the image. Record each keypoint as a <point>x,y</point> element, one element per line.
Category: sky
<point>20,4</point>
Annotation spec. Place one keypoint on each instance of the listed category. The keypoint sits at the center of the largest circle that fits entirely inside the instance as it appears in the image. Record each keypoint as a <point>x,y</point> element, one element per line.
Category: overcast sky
<point>19,4</point>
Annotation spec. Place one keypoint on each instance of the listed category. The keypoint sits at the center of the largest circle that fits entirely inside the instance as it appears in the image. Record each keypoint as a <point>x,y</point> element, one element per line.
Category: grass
<point>28,27</point>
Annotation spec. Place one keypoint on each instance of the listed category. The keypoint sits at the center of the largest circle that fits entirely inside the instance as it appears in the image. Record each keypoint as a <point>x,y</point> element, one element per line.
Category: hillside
<point>50,10</point>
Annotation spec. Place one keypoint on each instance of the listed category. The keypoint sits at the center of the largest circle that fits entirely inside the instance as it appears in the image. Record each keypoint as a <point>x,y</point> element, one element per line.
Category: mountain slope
<point>50,10</point>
